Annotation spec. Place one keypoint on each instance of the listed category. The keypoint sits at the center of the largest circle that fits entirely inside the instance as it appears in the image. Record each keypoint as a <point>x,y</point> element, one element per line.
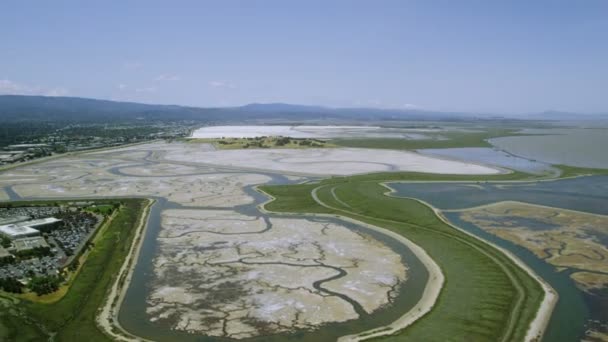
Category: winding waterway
<point>575,308</point>
<point>133,316</point>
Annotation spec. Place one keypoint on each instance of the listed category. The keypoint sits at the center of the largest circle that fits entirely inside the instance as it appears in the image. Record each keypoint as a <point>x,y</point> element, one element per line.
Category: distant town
<point>44,142</point>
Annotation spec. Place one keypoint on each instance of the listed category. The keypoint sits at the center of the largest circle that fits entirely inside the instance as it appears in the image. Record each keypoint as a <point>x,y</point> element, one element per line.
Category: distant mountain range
<point>23,108</point>
<point>73,109</point>
<point>556,115</point>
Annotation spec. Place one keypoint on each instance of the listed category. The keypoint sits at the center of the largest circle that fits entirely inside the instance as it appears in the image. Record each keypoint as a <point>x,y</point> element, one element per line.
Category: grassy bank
<point>573,171</point>
<point>263,142</point>
<point>486,296</point>
<point>73,317</point>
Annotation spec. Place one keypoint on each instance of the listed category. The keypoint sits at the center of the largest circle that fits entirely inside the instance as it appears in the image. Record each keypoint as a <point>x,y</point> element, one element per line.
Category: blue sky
<point>483,56</point>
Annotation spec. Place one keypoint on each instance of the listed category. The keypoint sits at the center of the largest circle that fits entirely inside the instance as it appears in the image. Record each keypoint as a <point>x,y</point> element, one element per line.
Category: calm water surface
<point>575,147</point>
<point>588,194</point>
<point>491,156</point>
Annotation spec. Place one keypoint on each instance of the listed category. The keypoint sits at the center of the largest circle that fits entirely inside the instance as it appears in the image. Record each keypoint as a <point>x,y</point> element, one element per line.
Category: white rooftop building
<point>13,231</point>
<point>29,243</point>
<point>39,222</point>
<point>4,253</point>
<point>17,230</point>
<point>13,219</point>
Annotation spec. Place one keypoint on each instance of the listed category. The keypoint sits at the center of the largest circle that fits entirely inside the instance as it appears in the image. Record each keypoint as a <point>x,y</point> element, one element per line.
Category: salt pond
<point>328,161</point>
<point>319,132</point>
<point>491,156</point>
<point>569,146</point>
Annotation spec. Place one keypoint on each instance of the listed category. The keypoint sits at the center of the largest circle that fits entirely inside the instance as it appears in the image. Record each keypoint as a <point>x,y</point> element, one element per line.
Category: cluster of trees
<point>5,242</point>
<point>11,285</point>
<point>41,285</point>
<point>36,252</point>
<point>255,144</point>
<point>12,133</point>
<point>7,260</point>
<point>74,265</point>
<point>311,143</point>
<point>282,141</point>
<point>119,131</point>
<point>103,209</point>
<point>45,284</point>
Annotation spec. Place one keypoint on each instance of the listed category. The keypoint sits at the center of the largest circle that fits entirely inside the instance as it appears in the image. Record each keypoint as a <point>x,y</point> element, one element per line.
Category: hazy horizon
<point>485,113</point>
<point>509,58</point>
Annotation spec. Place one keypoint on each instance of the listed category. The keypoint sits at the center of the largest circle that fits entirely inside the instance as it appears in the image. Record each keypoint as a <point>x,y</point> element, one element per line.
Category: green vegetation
<point>45,285</point>
<point>5,242</point>
<point>103,209</point>
<point>486,296</point>
<point>263,142</point>
<point>573,171</point>
<point>294,198</point>
<point>36,252</point>
<point>11,285</point>
<point>72,318</point>
<point>7,260</point>
<point>447,139</point>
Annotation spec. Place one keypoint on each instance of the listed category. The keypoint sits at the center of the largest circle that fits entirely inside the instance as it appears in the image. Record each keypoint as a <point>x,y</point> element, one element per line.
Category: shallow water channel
<point>575,308</point>
<point>133,317</point>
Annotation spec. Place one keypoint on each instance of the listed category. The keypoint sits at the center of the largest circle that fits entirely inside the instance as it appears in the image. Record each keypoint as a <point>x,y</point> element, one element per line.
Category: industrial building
<point>40,223</point>
<point>4,253</point>
<point>26,228</point>
<point>13,231</point>
<point>29,243</point>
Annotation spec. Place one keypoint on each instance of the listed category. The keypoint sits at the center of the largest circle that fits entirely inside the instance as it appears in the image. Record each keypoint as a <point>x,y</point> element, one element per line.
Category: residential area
<point>34,140</point>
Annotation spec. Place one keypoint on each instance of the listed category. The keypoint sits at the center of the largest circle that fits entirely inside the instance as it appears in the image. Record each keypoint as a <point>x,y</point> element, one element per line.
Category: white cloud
<point>145,90</point>
<point>9,87</point>
<point>121,86</point>
<point>410,106</point>
<point>57,92</point>
<point>222,84</point>
<point>168,77</point>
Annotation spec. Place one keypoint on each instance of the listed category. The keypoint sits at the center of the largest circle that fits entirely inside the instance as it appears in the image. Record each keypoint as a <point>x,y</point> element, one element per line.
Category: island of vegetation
<point>263,142</point>
<point>570,240</point>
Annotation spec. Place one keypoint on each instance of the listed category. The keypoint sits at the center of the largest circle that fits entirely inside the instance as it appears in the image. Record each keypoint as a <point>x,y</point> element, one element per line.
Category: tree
<point>36,252</point>
<point>11,285</point>
<point>7,260</point>
<point>5,242</point>
<point>45,284</point>
<point>74,265</point>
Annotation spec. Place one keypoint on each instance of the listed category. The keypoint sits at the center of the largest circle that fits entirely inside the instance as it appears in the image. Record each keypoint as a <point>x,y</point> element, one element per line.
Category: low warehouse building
<point>13,231</point>
<point>4,253</point>
<point>44,224</point>
<point>29,243</point>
